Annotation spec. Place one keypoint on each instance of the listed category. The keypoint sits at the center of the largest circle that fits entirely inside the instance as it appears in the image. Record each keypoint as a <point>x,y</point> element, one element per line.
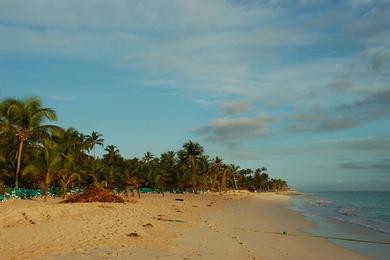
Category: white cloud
<point>233,131</point>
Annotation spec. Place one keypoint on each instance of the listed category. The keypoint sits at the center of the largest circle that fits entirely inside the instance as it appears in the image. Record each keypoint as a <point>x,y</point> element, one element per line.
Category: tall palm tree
<point>217,171</point>
<point>25,118</point>
<point>93,140</point>
<point>191,157</point>
<point>112,153</point>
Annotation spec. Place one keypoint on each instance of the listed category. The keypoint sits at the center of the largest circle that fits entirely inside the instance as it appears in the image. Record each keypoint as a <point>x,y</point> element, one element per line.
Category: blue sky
<point>301,87</point>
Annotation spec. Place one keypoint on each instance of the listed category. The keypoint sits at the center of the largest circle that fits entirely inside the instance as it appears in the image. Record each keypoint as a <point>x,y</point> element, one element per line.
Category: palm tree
<point>205,173</point>
<point>46,163</point>
<point>225,173</point>
<point>191,157</point>
<point>262,179</point>
<point>167,168</point>
<point>96,173</point>
<point>25,119</point>
<point>278,185</point>
<point>112,154</point>
<point>246,177</point>
<point>234,174</point>
<point>148,156</point>
<point>67,177</point>
<point>147,167</point>
<point>156,175</point>
<point>93,140</point>
<point>180,176</point>
<point>8,147</point>
<point>217,171</point>
<point>72,141</point>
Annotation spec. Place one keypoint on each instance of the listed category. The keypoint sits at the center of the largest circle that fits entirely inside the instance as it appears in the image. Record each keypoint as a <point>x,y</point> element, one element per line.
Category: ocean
<point>352,215</point>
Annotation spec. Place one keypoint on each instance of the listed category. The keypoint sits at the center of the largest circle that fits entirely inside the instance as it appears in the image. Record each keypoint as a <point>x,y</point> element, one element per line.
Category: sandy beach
<point>212,226</point>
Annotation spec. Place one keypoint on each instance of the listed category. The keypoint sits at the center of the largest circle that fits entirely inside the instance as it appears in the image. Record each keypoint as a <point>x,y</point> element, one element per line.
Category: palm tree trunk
<point>215,179</point>
<point>46,187</point>
<point>65,188</point>
<point>138,192</point>
<point>235,182</point>
<point>193,176</point>
<point>19,159</point>
<point>162,191</point>
<point>223,184</point>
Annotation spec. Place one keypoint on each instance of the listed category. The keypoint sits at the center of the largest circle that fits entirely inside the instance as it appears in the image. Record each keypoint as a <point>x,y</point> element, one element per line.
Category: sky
<point>299,86</point>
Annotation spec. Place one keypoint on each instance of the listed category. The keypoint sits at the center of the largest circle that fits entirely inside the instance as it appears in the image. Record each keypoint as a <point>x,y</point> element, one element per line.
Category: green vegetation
<point>37,155</point>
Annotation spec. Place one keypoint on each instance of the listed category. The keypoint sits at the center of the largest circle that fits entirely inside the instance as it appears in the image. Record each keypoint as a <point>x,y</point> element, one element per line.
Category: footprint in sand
<point>238,240</point>
<point>26,218</point>
<point>243,245</point>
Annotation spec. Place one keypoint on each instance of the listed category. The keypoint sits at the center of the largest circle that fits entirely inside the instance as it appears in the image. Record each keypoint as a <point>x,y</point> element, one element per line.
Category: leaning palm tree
<point>235,174</point>
<point>67,177</point>
<point>191,157</point>
<point>25,118</point>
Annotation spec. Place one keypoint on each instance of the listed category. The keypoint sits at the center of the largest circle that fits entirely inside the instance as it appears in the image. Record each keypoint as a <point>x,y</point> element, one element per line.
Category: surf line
<point>316,236</point>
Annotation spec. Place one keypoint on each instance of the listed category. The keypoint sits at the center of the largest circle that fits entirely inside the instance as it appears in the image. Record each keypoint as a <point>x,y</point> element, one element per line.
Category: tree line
<point>37,154</point>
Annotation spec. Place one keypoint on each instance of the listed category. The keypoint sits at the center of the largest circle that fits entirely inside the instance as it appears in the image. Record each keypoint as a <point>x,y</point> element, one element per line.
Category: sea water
<point>351,215</point>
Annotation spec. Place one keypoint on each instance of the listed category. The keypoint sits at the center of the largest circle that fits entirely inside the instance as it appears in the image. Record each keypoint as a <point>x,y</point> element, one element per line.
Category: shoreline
<point>208,226</point>
<point>358,238</point>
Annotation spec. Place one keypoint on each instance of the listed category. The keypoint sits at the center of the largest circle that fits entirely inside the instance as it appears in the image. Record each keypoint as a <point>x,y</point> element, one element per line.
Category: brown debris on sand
<point>147,225</point>
<point>134,235</point>
<point>169,220</point>
<point>94,195</point>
